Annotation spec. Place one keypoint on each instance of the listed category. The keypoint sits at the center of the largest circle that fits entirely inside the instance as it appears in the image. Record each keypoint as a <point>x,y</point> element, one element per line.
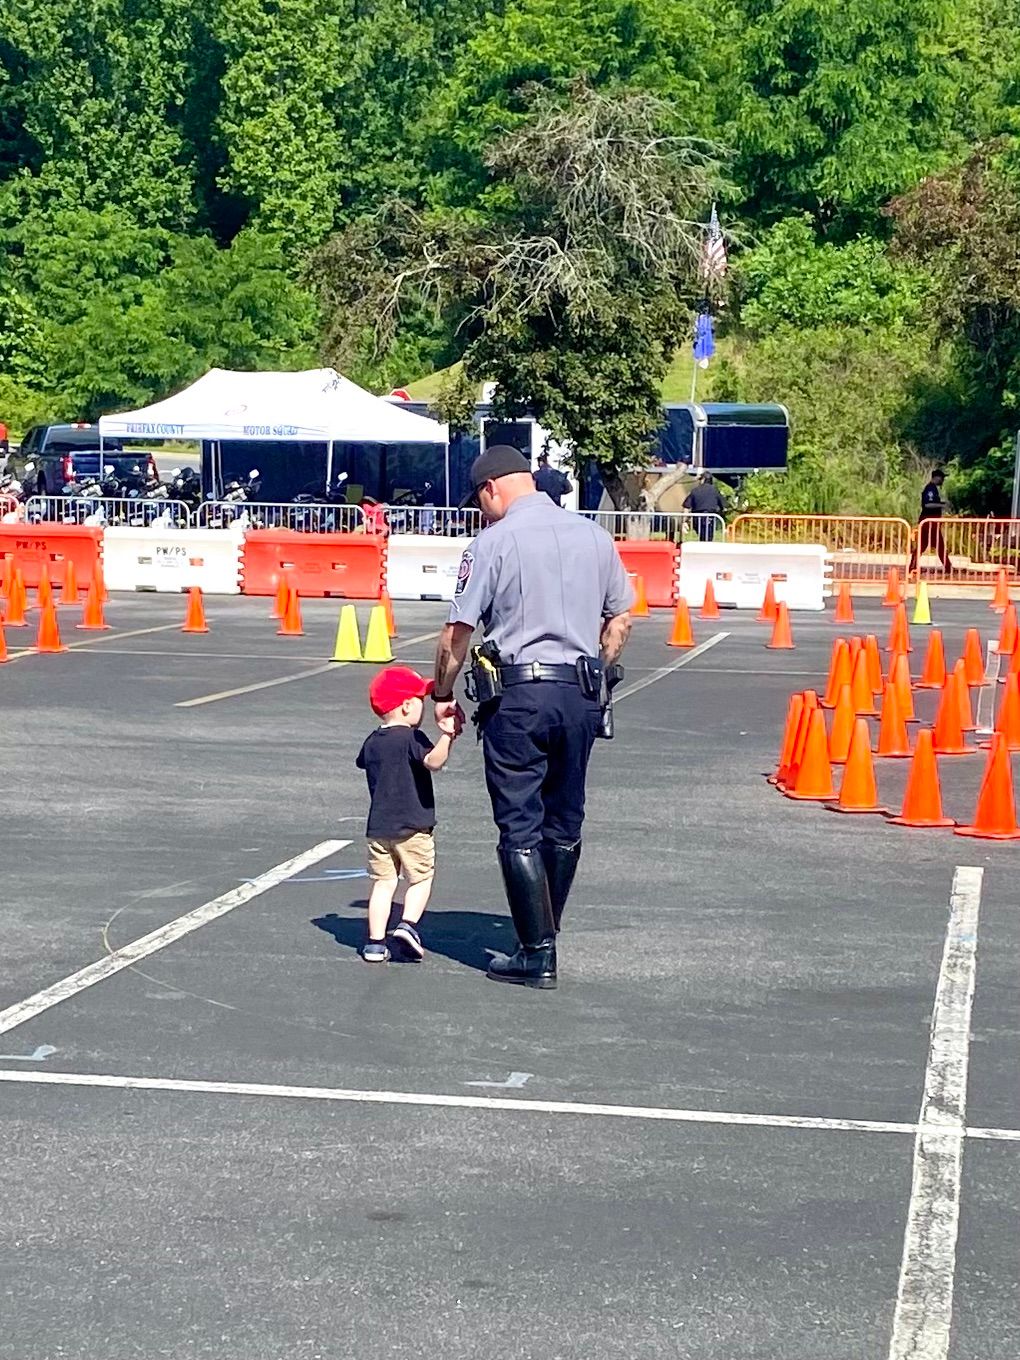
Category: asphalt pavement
<point>241,1142</point>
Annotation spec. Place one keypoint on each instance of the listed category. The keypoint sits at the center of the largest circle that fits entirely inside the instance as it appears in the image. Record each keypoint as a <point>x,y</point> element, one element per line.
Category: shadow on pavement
<point>466,937</point>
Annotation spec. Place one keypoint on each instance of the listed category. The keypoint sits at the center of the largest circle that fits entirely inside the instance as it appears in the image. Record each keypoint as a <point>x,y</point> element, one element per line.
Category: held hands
<point>450,718</point>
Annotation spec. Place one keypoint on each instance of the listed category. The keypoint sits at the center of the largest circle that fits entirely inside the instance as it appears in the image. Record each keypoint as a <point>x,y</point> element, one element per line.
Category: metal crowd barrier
<point>303,518</point>
<point>649,525</point>
<point>963,551</point>
<point>8,506</point>
<point>445,520</point>
<point>133,511</point>
<point>862,547</point>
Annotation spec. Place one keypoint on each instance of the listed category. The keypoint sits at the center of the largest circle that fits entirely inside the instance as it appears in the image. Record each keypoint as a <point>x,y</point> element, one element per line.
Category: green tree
<point>572,296</point>
<point>836,105</point>
<point>277,122</point>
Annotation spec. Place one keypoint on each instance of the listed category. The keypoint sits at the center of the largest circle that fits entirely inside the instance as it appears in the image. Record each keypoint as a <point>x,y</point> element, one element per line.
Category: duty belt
<point>537,670</point>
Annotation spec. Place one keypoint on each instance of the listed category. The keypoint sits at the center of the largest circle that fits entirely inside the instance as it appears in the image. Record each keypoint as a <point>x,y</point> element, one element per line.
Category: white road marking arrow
<point>43,1051</point>
<point>513,1082</point>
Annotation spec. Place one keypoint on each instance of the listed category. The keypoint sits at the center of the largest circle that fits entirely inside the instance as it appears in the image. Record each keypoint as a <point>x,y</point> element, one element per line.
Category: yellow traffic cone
<point>922,609</point>
<point>348,638</point>
<point>377,639</point>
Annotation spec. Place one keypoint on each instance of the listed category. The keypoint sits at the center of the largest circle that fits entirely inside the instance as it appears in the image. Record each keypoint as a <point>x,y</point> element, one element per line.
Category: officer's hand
<point>448,710</point>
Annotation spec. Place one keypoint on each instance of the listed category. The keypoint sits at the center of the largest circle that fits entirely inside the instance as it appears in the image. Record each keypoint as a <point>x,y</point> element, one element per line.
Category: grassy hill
<point>676,385</point>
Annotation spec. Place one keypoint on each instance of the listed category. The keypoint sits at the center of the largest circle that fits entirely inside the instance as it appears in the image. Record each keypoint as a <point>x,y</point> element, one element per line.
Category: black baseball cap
<point>498,461</point>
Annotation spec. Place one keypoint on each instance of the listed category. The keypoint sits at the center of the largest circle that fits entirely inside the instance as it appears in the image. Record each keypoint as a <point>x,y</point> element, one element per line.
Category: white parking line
<point>82,644</point>
<point>289,679</point>
<point>141,948</point>
<point>663,671</point>
<point>924,1300</point>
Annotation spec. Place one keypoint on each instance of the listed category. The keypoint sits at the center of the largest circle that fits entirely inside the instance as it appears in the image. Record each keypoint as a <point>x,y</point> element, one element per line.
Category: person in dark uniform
<point>929,527</point>
<point>548,590</point>
<point>554,483</point>
<point>705,500</point>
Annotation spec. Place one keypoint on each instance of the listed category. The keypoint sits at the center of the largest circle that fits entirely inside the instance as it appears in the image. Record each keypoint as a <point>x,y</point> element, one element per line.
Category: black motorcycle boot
<point>560,867</point>
<point>527,891</point>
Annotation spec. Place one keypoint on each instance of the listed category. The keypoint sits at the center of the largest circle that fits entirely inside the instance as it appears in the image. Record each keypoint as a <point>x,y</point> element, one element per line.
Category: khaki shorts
<point>414,857</point>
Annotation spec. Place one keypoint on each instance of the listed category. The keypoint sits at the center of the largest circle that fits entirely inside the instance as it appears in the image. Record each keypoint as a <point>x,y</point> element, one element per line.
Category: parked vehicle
<point>70,453</point>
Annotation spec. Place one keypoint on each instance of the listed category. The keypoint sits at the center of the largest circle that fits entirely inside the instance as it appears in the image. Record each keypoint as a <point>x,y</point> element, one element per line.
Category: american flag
<point>713,254</point>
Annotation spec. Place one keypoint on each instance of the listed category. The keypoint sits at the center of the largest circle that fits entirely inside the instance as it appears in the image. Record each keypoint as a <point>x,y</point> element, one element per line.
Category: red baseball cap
<point>392,686</point>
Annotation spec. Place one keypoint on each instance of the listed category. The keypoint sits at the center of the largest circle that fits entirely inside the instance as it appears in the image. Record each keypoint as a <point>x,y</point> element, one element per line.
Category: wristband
<point>441,698</point>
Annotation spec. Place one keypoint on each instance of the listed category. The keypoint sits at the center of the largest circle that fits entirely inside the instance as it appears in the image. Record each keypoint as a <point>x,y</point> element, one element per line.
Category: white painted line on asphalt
<point>924,1300</point>
<point>289,679</point>
<point>1000,1135</point>
<point>567,1107</point>
<point>663,671</point>
<point>141,948</point>
<point>84,643</point>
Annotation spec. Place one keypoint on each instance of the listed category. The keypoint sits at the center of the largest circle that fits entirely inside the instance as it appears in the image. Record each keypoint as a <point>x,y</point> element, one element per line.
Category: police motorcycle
<point>230,510</point>
<point>318,512</point>
<point>13,489</point>
<point>186,486</point>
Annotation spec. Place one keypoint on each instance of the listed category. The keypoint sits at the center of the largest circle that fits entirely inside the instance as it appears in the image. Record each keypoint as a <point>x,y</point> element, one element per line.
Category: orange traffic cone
<point>44,591</point>
<point>858,792</point>
<point>639,609</point>
<point>681,636</point>
<point>92,619</point>
<point>1014,662</point>
<point>800,739</point>
<point>709,608</point>
<point>782,636</point>
<point>814,775</point>
<point>7,577</point>
<point>3,644</point>
<point>290,624</point>
<point>100,577</point>
<point>843,719</point>
<point>48,637</point>
<point>840,672</point>
<point>1001,597</point>
<point>973,659</point>
<point>17,603</point>
<point>899,633</point>
<point>281,596</point>
<point>860,688</point>
<point>967,723</point>
<point>69,589</point>
<point>844,605</point>
<point>948,735</point>
<point>195,620</point>
<point>995,815</point>
<point>893,594</point>
<point>892,730</point>
<point>793,711</point>
<point>933,676</point>
<point>904,691</point>
<point>387,604</point>
<point>922,801</point>
<point>874,663</point>
<point>767,612</point>
<point>1008,631</point>
<point>1008,721</point>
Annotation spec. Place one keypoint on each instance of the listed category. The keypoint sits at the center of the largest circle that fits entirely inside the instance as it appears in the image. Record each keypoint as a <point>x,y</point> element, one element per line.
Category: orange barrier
<point>44,549</point>
<point>348,566</point>
<point>976,550</point>
<point>656,564</point>
<point>862,547</point>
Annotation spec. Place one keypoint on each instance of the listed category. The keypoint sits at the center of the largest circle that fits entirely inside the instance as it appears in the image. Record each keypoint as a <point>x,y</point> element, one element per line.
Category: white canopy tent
<point>317,405</point>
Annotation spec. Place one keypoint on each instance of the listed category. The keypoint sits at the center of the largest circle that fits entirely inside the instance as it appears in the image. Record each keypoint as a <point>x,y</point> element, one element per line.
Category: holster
<point>482,681</point>
<point>597,681</point>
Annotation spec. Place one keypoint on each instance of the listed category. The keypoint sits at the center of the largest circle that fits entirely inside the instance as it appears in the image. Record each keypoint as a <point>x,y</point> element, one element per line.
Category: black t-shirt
<point>554,483</point>
<point>398,782</point>
<point>931,502</point>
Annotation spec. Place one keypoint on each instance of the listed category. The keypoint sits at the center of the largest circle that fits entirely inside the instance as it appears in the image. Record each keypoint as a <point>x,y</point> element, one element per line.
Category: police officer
<point>929,527</point>
<point>554,483</point>
<point>705,501</point>
<point>551,596</point>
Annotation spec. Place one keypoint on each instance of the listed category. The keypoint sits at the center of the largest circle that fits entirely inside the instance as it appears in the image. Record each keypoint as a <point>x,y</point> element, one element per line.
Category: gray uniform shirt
<point>540,582</point>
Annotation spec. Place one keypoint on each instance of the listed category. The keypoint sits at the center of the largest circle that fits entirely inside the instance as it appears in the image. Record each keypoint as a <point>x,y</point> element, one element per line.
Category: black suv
<point>68,453</point>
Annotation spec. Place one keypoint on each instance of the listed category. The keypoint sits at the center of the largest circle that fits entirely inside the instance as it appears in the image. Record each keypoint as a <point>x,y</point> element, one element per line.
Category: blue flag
<point>704,340</point>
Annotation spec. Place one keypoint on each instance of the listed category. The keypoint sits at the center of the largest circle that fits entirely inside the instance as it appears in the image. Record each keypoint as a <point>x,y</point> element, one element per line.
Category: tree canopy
<point>175,179</point>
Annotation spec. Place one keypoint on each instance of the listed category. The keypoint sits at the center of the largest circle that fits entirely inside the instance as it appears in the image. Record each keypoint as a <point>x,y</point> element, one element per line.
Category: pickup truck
<point>67,453</point>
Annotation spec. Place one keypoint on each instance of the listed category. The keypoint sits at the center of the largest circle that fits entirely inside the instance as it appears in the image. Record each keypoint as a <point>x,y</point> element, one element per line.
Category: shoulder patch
<point>467,563</point>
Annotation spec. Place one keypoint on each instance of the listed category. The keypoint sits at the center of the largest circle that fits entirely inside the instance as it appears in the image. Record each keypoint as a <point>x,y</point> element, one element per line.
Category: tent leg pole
<point>329,466</point>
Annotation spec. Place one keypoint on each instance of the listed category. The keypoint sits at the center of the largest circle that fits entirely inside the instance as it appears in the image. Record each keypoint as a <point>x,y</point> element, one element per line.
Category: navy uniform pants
<point>536,742</point>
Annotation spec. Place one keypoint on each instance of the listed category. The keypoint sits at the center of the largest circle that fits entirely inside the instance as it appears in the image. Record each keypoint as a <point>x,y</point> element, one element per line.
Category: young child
<point>398,760</point>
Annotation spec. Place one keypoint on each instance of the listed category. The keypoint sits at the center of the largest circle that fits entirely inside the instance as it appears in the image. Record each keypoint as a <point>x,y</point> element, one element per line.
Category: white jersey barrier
<point>172,560</point>
<point>739,573</point>
<point>422,566</point>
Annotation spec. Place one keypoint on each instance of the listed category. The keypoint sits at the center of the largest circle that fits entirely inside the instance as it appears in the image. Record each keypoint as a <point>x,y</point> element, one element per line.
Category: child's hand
<point>450,727</point>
